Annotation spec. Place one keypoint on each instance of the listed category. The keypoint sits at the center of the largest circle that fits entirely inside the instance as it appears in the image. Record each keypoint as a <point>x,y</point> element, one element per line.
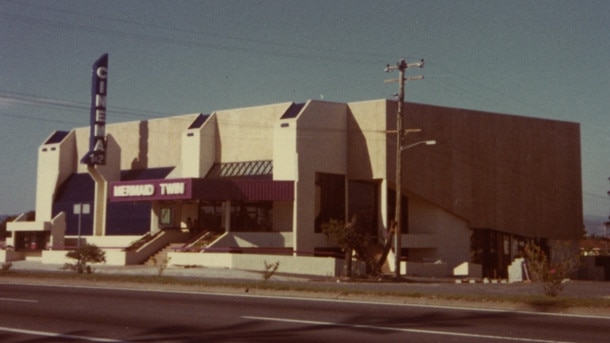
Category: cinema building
<point>238,187</point>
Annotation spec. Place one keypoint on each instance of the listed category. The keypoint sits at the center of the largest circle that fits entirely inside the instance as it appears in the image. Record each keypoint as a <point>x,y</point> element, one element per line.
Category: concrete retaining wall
<point>322,266</point>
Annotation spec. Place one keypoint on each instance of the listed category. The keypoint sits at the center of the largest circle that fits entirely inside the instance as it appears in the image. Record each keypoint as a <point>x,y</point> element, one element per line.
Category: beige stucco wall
<point>321,131</point>
<point>144,144</point>
<point>198,151</point>
<point>247,134</point>
<point>368,142</point>
<point>436,235</point>
<point>285,155</point>
<point>368,139</point>
<point>55,164</point>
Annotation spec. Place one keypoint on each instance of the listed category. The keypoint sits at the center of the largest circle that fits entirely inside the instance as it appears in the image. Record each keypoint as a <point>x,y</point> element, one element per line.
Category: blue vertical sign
<point>97,133</point>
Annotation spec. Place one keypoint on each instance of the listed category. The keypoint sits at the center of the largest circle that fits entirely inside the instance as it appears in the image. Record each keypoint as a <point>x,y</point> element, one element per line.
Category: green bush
<point>88,253</point>
<point>349,239</point>
<point>6,266</point>
<point>554,276</point>
<point>270,269</point>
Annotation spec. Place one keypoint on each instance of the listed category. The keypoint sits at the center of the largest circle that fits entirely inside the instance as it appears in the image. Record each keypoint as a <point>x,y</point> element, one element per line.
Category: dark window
<point>293,111</point>
<point>330,198</point>
<point>210,216</point>
<point>251,216</point>
<point>199,121</point>
<point>57,137</point>
<point>363,202</point>
<point>31,240</point>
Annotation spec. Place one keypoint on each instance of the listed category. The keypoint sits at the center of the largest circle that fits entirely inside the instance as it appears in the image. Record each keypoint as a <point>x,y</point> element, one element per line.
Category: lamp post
<point>80,209</point>
<point>398,219</point>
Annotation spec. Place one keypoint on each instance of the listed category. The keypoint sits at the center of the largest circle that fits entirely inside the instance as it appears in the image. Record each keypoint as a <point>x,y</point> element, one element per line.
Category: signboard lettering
<point>134,190</point>
<point>150,190</point>
<point>97,131</point>
<point>172,188</point>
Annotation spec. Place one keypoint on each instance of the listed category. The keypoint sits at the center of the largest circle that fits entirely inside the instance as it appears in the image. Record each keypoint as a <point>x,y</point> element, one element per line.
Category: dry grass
<point>327,290</point>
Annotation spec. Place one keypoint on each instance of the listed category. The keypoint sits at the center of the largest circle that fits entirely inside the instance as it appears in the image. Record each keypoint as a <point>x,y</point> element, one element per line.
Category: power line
<point>36,100</point>
<point>278,48</point>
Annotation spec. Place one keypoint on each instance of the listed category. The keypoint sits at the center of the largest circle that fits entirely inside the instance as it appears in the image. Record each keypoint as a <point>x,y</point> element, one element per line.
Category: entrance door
<point>31,240</point>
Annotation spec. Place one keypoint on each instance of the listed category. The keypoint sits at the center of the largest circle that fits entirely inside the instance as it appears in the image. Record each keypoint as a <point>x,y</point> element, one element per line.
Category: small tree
<point>88,253</point>
<point>6,266</point>
<point>553,275</point>
<point>161,264</point>
<point>270,269</point>
<point>348,238</point>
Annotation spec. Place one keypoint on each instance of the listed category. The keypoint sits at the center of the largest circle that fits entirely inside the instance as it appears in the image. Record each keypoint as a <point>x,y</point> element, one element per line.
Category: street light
<point>430,142</point>
<point>398,214</point>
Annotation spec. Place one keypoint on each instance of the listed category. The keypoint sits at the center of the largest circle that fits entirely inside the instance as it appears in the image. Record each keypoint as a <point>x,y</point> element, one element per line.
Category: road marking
<point>388,328</point>
<point>19,300</point>
<point>58,335</point>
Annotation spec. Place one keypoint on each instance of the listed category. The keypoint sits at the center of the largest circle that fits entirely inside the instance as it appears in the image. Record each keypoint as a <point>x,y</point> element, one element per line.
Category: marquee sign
<point>145,190</point>
<point>97,131</point>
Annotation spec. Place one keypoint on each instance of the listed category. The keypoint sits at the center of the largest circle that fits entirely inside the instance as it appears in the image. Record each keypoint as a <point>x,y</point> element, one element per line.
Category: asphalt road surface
<point>31,313</point>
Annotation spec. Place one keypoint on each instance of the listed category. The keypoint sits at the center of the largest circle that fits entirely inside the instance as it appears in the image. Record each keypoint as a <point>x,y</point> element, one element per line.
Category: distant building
<point>262,180</point>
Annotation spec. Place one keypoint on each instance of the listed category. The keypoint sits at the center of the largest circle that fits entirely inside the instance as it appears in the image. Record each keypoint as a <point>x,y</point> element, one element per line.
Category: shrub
<point>161,264</point>
<point>6,266</point>
<point>554,276</point>
<point>349,239</point>
<point>270,269</point>
<point>88,253</point>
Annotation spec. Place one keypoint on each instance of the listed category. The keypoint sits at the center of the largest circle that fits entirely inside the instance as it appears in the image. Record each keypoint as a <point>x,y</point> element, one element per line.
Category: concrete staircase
<point>180,243</point>
<point>161,255</point>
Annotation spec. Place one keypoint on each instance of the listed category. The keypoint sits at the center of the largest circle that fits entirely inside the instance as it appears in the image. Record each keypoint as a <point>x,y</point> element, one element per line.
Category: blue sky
<point>543,59</point>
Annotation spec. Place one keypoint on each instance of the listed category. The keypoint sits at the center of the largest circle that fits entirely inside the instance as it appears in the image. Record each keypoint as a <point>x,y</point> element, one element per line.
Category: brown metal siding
<point>504,172</point>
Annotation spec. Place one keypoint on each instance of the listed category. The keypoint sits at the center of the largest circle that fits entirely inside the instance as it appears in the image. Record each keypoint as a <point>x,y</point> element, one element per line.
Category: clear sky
<point>543,59</point>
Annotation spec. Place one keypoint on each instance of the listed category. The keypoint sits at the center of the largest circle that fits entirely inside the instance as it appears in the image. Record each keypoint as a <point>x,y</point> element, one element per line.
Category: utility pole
<point>402,65</point>
<point>607,225</point>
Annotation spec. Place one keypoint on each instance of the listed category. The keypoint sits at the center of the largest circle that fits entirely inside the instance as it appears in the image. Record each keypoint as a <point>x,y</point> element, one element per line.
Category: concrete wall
<point>105,242</point>
<point>282,216</point>
<point>321,266</point>
<point>55,164</point>
<point>113,257</point>
<point>144,144</point>
<point>436,235</point>
<point>198,150</point>
<point>253,240</point>
<point>321,142</point>
<point>368,140</point>
<point>11,255</point>
<point>285,155</point>
<point>247,134</point>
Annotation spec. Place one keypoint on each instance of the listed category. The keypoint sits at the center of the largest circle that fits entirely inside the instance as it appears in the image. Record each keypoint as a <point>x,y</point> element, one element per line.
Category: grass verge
<point>331,290</point>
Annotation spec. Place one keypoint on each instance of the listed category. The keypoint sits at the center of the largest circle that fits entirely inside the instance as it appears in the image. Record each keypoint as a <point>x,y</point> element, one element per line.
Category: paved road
<point>65,314</point>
